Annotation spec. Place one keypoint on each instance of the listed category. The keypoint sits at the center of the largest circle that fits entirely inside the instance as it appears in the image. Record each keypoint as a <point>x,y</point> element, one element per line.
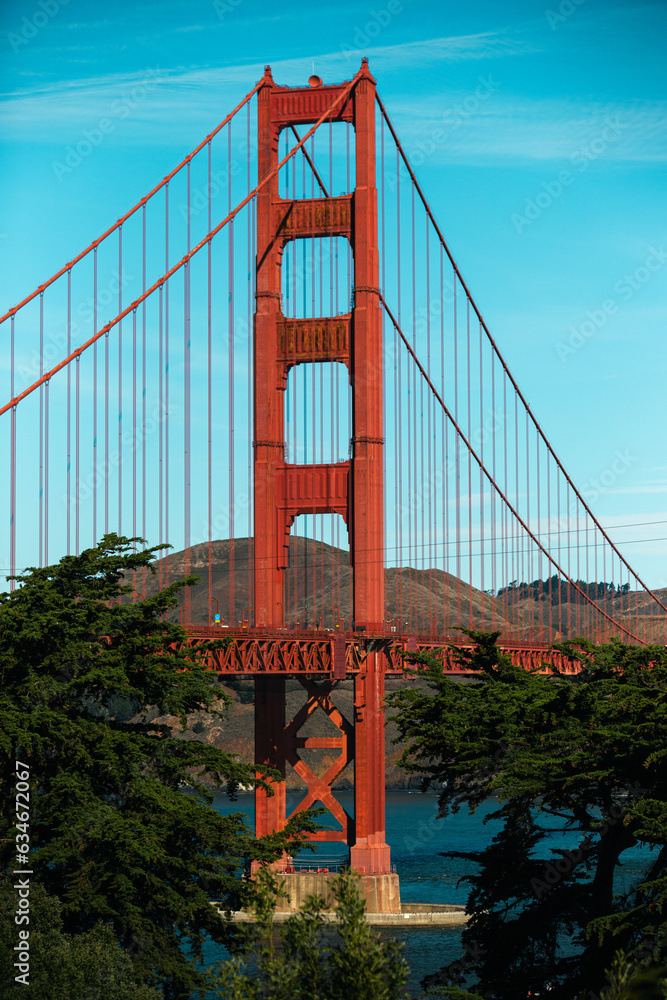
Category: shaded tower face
<point>354,488</point>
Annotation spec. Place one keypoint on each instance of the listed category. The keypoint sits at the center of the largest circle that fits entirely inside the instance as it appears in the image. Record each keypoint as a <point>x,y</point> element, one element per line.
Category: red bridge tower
<point>353,489</point>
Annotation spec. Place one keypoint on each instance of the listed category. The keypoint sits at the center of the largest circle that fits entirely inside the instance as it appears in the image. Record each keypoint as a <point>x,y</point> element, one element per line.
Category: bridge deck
<point>333,654</point>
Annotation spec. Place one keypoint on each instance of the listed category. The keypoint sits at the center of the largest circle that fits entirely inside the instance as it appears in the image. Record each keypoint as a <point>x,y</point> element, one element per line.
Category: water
<point>416,837</point>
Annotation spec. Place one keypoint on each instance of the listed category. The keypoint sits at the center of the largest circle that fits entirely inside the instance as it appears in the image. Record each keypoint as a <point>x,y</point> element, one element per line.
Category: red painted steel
<point>319,787</point>
<point>519,489</point>
<point>352,489</point>
<point>261,652</point>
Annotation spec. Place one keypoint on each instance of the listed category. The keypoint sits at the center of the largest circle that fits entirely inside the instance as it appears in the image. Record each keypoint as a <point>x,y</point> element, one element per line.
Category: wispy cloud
<point>548,129</point>
<point>640,489</point>
<point>51,111</point>
<point>505,127</point>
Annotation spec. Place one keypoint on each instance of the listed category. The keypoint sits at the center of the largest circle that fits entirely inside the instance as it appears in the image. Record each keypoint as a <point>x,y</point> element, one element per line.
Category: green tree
<point>90,965</point>
<point>583,754</point>
<point>113,836</point>
<point>311,959</point>
<point>627,981</point>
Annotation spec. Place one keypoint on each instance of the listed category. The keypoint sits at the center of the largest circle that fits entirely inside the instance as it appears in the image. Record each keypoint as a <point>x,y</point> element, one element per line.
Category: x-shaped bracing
<point>319,788</point>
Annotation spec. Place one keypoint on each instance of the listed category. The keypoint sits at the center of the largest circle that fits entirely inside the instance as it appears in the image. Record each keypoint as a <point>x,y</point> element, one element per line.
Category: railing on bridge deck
<point>336,655</point>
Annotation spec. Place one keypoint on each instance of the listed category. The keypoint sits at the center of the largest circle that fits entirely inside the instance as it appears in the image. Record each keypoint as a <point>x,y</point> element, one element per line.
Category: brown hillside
<point>318,589</point>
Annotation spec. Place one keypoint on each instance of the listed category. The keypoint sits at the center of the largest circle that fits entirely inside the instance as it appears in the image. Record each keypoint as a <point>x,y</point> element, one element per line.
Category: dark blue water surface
<point>416,837</point>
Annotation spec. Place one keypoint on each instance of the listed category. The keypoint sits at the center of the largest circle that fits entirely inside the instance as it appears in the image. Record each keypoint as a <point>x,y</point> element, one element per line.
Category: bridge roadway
<point>336,655</point>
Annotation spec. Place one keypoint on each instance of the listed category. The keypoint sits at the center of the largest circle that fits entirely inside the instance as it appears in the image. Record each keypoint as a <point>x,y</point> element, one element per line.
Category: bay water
<point>417,838</point>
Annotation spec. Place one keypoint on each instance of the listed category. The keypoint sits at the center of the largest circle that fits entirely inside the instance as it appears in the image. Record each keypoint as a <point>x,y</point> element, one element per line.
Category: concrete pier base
<point>412,915</point>
<point>380,892</point>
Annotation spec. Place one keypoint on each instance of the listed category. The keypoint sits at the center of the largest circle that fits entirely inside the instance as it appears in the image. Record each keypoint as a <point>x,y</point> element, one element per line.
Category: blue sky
<point>547,176</point>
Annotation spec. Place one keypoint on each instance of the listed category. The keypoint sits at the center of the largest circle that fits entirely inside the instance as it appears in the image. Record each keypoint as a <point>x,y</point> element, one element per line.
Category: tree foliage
<point>557,591</point>
<point>113,836</point>
<point>584,754</point>
<point>312,959</point>
<point>90,965</point>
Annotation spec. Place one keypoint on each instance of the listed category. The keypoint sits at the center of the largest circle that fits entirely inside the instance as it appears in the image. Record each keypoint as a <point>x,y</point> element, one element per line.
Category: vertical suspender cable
<point>529,560</point>
<point>232,609</point>
<point>120,382</point>
<point>68,428</point>
<point>12,465</point>
<point>107,463</point>
<point>412,434</point>
<point>569,592</point>
<point>166,388</point>
<point>399,423</point>
<point>143,396</point>
<point>596,560</point>
<point>539,552</point>
<point>506,572</point>
<point>41,429</point>
<point>160,396</point>
<point>538,522</point>
<point>77,468</point>
<point>46,473</point>
<point>550,603</point>
<point>135,482</point>
<point>493,546</point>
<point>604,570</point>
<point>429,476</point>
<point>519,540</point>
<point>457,445</point>
<point>444,456</point>
<point>470,577</point>
<point>77,416</point>
<point>482,623</point>
<point>187,555</point>
<point>134,445</point>
<point>95,448</point>
<point>560,589</point>
<point>209,391</point>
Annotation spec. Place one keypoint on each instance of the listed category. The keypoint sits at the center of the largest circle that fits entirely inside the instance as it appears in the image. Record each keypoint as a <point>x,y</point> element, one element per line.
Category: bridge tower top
<point>354,488</point>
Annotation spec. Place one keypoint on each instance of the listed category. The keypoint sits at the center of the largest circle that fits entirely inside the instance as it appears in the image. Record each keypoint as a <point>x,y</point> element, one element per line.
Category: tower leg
<point>370,852</point>
<point>269,729</point>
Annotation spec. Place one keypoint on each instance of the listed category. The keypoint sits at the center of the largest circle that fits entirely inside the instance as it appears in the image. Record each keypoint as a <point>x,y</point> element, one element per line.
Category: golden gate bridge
<point>276,348</point>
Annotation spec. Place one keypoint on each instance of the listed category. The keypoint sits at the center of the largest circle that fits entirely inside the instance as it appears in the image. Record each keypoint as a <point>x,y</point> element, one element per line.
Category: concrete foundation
<point>429,916</point>
<point>380,892</point>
